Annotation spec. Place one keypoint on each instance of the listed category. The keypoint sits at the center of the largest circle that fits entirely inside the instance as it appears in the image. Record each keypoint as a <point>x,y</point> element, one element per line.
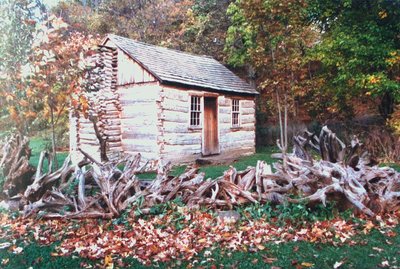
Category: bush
<point>394,121</point>
<point>383,144</point>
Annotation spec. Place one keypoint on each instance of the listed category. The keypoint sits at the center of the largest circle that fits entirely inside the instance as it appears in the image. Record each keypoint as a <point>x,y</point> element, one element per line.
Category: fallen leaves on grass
<point>17,250</point>
<point>4,261</point>
<point>337,264</point>
<point>384,264</point>
<point>158,238</point>
<point>5,245</point>
<point>268,260</point>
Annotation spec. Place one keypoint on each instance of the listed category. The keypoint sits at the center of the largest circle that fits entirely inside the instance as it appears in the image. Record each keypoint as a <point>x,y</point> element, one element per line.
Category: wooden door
<point>210,126</point>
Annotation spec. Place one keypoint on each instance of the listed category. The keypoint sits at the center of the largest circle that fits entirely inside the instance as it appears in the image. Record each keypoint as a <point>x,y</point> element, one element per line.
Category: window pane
<point>235,113</point>
<point>195,111</point>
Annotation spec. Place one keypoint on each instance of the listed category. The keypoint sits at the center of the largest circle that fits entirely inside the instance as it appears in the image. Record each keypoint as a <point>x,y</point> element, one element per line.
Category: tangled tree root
<point>103,190</point>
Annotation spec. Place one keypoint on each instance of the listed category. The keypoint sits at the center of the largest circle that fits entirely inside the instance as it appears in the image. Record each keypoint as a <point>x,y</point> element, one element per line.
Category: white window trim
<point>200,126</point>
<point>236,112</point>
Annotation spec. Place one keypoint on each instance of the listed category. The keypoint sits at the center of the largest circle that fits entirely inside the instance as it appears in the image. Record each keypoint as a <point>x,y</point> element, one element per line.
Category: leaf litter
<point>156,238</point>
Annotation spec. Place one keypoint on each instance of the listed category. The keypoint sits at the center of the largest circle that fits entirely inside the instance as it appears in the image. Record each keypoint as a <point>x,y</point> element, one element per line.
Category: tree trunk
<point>283,142</point>
<point>102,141</point>
<point>53,141</point>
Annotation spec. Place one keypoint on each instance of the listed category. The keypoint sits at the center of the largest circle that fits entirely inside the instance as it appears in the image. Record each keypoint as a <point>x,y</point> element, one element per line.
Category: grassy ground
<point>214,171</point>
<point>242,163</point>
<point>38,145</point>
<point>393,165</point>
<point>370,251</point>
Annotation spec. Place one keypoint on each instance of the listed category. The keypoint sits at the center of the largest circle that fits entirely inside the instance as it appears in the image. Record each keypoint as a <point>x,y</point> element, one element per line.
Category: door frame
<point>213,96</point>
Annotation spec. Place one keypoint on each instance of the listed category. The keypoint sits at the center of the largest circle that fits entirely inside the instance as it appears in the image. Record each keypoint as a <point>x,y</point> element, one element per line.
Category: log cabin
<point>164,104</point>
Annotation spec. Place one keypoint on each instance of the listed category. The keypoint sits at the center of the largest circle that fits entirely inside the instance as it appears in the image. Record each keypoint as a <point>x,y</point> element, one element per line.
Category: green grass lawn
<point>370,252</point>
<point>38,145</point>
<point>214,171</point>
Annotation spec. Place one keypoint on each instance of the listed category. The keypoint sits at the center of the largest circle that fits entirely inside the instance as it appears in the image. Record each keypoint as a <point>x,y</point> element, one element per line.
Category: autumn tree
<point>197,26</point>
<point>151,21</point>
<point>56,70</point>
<point>270,38</point>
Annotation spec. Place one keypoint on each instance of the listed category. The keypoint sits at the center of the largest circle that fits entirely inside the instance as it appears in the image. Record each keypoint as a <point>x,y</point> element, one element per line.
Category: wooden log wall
<point>104,107</point>
<point>129,71</point>
<point>240,139</point>
<point>179,143</point>
<point>139,118</point>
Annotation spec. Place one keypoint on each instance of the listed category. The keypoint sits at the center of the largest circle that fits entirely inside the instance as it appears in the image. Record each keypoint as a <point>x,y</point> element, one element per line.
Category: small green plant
<point>347,215</point>
<point>137,204</point>
<point>14,214</point>
<point>257,211</point>
<point>41,214</point>
<point>288,212</point>
<point>321,212</point>
<point>2,180</point>
<point>65,209</point>
<point>123,218</point>
<point>4,211</point>
<point>163,208</point>
<point>70,190</point>
<point>302,212</point>
<point>171,210</point>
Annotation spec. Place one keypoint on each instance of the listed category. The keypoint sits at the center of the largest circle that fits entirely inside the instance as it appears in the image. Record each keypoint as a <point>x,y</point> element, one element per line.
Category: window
<point>195,111</point>
<point>235,113</point>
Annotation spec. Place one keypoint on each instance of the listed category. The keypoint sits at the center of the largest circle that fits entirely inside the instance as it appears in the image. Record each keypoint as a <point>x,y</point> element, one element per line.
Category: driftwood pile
<point>342,174</point>
<point>14,165</point>
<point>346,175</point>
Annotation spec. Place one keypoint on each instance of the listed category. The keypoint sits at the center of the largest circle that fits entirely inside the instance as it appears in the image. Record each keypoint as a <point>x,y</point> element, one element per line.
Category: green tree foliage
<point>17,25</point>
<point>359,50</point>
<point>206,32</point>
<point>355,54</point>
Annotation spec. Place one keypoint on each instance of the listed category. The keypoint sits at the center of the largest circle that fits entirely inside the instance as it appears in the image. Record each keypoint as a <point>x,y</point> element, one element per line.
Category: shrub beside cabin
<point>165,104</point>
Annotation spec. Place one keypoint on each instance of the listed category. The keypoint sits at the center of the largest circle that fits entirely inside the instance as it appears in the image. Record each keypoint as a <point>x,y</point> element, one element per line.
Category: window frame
<point>198,110</point>
<point>235,112</point>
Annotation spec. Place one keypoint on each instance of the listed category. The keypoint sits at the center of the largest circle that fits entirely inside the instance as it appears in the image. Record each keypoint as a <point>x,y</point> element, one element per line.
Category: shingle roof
<point>172,66</point>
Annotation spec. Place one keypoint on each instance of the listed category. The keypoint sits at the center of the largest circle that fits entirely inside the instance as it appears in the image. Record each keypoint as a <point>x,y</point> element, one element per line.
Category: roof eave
<point>186,85</point>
